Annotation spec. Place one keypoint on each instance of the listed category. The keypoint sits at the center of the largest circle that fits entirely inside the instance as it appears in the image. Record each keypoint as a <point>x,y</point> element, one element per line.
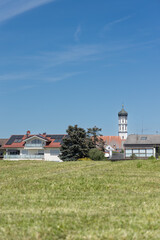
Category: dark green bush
<point>96,154</point>
<point>151,158</point>
<point>133,156</point>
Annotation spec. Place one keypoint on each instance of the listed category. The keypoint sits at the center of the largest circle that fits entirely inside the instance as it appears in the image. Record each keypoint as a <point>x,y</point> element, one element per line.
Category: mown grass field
<point>80,200</point>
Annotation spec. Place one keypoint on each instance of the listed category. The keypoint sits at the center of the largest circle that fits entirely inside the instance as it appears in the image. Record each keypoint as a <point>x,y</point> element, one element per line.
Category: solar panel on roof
<point>55,136</point>
<point>17,140</point>
<point>57,140</point>
<point>13,138</point>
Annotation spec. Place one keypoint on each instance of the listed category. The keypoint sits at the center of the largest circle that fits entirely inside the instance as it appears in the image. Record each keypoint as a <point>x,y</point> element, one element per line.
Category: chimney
<point>27,134</point>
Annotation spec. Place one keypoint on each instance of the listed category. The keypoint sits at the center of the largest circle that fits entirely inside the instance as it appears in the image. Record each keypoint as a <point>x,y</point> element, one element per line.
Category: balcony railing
<point>24,157</point>
<point>34,145</point>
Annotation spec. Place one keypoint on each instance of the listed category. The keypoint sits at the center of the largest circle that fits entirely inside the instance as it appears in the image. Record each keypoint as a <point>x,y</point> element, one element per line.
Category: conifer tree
<point>75,145</point>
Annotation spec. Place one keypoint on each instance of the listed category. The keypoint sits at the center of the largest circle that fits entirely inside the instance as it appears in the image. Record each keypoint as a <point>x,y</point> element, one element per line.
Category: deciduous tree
<point>95,135</point>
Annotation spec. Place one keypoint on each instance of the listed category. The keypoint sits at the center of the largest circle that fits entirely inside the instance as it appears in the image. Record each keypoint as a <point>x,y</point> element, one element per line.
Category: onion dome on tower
<point>122,112</point>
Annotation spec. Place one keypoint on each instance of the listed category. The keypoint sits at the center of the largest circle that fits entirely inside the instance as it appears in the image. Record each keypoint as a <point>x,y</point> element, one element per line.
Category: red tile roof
<point>3,142</point>
<point>113,141</point>
<point>11,143</point>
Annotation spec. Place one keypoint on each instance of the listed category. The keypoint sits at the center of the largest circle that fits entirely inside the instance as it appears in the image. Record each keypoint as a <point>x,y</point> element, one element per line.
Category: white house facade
<point>34,147</point>
<point>108,151</point>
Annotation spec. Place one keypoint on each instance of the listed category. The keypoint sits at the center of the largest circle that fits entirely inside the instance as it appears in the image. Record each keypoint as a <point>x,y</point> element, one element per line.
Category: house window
<point>142,151</point>
<point>40,152</point>
<point>149,151</point>
<point>128,152</point>
<point>135,151</point>
<point>25,152</point>
<point>36,141</point>
<point>14,152</point>
<point>54,152</point>
<point>142,155</point>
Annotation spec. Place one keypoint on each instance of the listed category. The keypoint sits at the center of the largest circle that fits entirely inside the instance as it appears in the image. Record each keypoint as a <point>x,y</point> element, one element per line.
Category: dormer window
<point>143,138</point>
<point>35,141</point>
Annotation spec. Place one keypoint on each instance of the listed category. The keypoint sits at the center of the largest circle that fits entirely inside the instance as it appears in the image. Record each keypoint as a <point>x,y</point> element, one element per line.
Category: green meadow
<point>80,200</point>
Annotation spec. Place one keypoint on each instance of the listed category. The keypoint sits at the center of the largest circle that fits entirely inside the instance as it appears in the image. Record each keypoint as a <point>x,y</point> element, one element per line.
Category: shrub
<point>151,158</point>
<point>84,159</point>
<point>133,156</point>
<point>96,154</point>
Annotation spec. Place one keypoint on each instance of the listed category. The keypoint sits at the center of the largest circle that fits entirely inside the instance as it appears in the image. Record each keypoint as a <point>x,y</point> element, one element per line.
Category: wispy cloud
<point>12,77</point>
<point>49,66</point>
<point>70,55</point>
<point>11,8</point>
<point>65,64</point>
<point>62,77</point>
<point>39,76</point>
<point>117,21</point>
<point>77,33</point>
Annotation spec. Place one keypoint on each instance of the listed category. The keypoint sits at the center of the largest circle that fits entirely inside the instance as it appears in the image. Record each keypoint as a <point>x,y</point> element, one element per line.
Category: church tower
<point>123,125</point>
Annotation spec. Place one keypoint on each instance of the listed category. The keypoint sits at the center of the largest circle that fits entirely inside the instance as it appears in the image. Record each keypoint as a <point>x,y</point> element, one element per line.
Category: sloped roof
<point>18,141</point>
<point>38,136</point>
<point>114,141</point>
<point>3,142</point>
<point>143,139</point>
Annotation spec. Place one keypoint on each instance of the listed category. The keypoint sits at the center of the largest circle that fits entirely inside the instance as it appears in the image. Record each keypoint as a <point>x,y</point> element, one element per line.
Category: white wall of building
<point>51,154</point>
<point>108,151</point>
<point>123,135</point>
<point>47,154</point>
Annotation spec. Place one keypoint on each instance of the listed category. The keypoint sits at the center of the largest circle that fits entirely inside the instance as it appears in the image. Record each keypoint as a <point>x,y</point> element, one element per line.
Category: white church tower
<point>123,125</point>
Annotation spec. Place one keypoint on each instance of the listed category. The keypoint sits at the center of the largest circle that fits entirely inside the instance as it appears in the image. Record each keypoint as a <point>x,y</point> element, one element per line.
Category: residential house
<point>30,147</point>
<point>143,146</point>
<point>114,141</point>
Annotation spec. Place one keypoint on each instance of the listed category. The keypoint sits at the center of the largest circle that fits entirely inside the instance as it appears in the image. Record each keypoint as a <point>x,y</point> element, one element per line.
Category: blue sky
<point>67,62</point>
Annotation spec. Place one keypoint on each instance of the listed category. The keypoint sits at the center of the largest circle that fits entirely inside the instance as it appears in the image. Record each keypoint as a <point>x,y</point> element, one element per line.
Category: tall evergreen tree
<point>75,144</point>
